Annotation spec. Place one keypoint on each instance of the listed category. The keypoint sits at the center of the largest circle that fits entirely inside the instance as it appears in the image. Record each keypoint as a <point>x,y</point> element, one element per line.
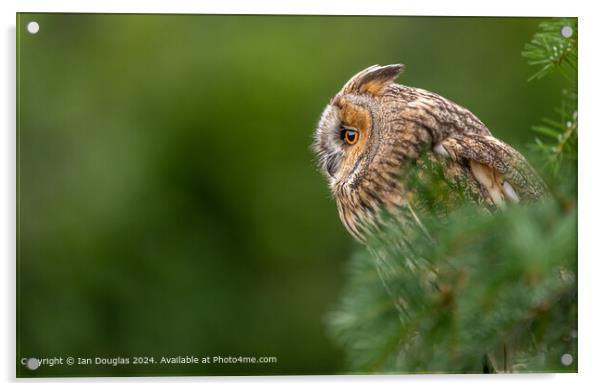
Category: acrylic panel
<point>201,195</point>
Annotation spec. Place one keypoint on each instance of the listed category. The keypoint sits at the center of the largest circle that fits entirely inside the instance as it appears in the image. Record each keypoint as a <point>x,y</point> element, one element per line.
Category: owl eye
<point>350,136</point>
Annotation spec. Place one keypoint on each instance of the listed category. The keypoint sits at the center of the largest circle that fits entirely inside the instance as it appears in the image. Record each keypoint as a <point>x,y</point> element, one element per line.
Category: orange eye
<point>351,136</point>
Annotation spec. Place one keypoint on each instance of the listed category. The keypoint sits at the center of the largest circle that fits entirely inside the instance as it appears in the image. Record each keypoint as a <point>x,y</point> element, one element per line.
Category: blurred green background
<point>168,201</point>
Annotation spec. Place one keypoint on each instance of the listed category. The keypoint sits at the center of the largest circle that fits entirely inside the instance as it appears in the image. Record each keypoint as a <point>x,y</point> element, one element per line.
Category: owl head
<point>349,133</point>
<point>361,143</point>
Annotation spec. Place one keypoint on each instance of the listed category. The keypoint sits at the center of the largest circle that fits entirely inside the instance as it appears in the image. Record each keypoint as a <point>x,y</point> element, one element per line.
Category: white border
<point>590,272</point>
<point>323,7</point>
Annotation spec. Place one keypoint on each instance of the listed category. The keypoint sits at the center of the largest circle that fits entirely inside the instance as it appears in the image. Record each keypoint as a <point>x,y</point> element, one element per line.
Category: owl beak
<point>330,170</point>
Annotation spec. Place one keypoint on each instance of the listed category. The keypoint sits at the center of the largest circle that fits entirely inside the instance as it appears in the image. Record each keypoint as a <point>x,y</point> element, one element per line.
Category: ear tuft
<point>373,80</point>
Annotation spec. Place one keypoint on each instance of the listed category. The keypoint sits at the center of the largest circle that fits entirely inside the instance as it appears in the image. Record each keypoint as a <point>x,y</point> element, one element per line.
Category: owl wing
<point>499,169</point>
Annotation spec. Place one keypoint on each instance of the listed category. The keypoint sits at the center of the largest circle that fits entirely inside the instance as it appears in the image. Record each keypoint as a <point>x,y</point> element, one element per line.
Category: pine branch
<point>560,135</point>
<point>554,46</point>
<point>495,277</point>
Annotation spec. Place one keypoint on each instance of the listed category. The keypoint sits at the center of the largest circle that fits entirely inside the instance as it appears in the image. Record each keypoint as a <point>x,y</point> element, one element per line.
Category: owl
<point>373,130</point>
<point>378,143</point>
